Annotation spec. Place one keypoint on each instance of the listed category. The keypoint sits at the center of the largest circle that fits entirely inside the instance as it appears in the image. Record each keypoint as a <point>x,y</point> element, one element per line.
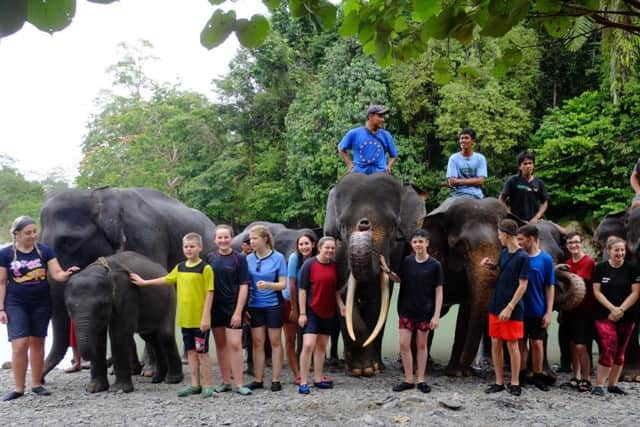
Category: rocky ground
<point>353,402</point>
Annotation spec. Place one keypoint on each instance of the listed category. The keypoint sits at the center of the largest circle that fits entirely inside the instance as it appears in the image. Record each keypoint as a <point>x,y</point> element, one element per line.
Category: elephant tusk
<point>384,308</point>
<point>351,292</point>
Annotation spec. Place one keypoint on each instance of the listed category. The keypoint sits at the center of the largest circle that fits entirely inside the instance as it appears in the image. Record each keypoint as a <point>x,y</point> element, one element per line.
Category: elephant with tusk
<point>369,215</point>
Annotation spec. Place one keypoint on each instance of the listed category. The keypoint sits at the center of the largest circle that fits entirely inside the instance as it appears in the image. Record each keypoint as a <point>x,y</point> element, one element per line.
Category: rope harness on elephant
<point>103,262</point>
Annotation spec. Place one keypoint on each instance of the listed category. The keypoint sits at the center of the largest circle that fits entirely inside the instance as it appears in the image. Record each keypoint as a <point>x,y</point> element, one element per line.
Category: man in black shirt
<point>527,194</point>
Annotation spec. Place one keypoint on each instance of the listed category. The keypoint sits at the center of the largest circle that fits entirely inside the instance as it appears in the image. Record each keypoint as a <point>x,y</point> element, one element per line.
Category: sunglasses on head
<point>258,265</point>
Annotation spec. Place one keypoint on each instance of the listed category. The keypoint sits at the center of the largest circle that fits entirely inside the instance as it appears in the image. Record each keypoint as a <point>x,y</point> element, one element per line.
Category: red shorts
<point>412,325</point>
<point>508,330</point>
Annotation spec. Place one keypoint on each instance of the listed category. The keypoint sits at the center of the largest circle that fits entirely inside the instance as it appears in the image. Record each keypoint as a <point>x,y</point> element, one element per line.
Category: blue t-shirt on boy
<point>541,275</point>
<point>460,166</point>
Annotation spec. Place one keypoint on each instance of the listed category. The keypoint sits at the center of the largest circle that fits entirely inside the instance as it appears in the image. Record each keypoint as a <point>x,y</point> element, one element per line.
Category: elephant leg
<point>121,336</point>
<point>363,361</point>
<point>149,362</point>
<point>172,356</point>
<point>98,371</point>
<point>135,367</point>
<point>152,341</point>
<point>631,370</point>
<point>563,342</point>
<point>472,314</point>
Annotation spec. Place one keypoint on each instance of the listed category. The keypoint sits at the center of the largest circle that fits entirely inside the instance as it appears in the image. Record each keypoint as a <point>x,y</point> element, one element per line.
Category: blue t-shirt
<point>27,275</point>
<point>541,275</point>
<point>513,267</point>
<point>292,273</point>
<point>271,268</point>
<point>467,167</point>
<point>369,149</point>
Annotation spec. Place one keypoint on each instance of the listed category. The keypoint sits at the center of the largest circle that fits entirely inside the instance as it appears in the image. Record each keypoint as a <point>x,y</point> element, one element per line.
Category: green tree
<point>18,196</point>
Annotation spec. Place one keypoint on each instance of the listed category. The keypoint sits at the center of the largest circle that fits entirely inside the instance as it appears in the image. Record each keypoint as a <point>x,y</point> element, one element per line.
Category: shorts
<point>614,338</point>
<point>271,317</point>
<point>318,325</point>
<point>580,329</point>
<point>533,328</point>
<point>27,319</point>
<point>508,330</point>
<point>286,313</point>
<point>412,325</point>
<point>222,319</point>
<point>195,339</point>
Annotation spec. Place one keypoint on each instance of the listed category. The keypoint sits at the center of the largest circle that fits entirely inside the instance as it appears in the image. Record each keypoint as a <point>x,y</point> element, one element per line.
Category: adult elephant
<point>101,299</point>
<point>624,224</point>
<point>83,225</point>
<point>369,215</point>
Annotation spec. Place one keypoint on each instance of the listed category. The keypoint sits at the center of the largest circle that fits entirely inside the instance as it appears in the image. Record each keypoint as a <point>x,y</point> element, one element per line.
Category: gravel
<point>353,402</point>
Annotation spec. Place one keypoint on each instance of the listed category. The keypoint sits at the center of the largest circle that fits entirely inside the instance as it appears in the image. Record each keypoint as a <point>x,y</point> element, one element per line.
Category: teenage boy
<point>538,302</point>
<point>506,311</point>
<point>194,282</point>
<point>419,305</point>
<point>527,194</point>
<point>466,170</point>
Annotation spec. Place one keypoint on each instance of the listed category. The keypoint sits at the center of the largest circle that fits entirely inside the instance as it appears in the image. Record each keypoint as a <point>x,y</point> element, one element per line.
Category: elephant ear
<point>107,213</point>
<point>412,211</point>
<point>330,224</point>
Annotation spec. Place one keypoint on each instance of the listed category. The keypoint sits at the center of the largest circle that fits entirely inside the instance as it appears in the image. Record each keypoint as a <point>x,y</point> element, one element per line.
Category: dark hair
<point>314,249</point>
<point>526,155</point>
<point>528,230</point>
<point>420,233</point>
<point>573,234</point>
<point>468,131</point>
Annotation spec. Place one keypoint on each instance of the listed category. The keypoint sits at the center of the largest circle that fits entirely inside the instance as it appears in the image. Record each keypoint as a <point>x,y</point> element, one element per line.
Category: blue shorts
<point>191,335</point>
<point>271,317</point>
<point>318,325</point>
<point>27,319</point>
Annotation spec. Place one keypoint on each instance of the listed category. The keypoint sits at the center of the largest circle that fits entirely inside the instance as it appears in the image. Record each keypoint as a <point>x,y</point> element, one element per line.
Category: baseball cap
<point>377,109</point>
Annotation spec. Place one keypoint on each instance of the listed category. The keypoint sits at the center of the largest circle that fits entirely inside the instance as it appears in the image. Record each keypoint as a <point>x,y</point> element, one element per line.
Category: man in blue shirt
<point>467,170</point>
<point>369,144</point>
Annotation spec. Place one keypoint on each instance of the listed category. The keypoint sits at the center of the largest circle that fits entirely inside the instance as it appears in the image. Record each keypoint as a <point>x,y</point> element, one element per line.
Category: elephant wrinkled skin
<point>369,215</point>
<point>101,300</point>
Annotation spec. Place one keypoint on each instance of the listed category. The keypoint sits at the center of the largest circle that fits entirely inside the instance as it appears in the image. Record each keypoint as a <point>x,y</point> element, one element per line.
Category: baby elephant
<point>101,298</point>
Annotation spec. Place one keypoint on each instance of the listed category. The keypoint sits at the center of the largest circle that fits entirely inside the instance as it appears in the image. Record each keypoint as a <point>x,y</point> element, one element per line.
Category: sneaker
<point>515,390</point>
<point>323,384</point>
<point>187,391</point>
<point>598,391</point>
<point>616,390</point>
<point>276,386</point>
<point>494,388</point>
<point>12,395</point>
<point>244,391</point>
<point>41,391</point>
<point>207,392</point>
<point>254,385</point>
<point>403,386</point>
<point>222,388</point>
<point>424,387</point>
<point>304,389</point>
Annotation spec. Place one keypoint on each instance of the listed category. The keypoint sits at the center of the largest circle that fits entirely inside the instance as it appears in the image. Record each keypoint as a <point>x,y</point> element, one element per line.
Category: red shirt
<point>584,269</point>
<point>319,280</point>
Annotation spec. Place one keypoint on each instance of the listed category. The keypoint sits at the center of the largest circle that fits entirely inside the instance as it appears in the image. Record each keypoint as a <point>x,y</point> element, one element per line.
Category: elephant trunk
<point>570,289</point>
<point>84,337</point>
<point>360,252</point>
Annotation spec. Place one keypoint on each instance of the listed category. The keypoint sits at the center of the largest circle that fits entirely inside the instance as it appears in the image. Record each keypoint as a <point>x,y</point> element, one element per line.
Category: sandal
<point>574,382</point>
<point>584,385</point>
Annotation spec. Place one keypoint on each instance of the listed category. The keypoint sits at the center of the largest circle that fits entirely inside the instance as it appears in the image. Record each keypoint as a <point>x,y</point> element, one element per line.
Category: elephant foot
<point>96,386</point>
<point>457,371</point>
<point>157,379</point>
<point>368,372</point>
<point>356,372</point>
<point>123,386</point>
<point>174,378</point>
<point>135,369</point>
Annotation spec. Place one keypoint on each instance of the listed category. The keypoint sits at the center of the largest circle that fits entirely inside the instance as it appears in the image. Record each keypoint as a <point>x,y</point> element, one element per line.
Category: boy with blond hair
<point>194,282</point>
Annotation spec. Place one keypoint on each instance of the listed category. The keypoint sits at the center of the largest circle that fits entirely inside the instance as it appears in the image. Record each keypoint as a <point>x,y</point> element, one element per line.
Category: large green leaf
<point>438,27</point>
<point>51,15</point>
<point>15,13</point>
<point>349,6</point>
<point>441,73</point>
<point>463,31</point>
<point>500,68</point>
<point>557,26</point>
<point>218,28</point>
<point>548,6</point>
<point>512,56</point>
<point>425,9</point>
<point>366,33</point>
<point>327,14</point>
<point>468,72</point>
<point>252,33</point>
<point>496,26</point>
<point>350,25</point>
<point>297,8</point>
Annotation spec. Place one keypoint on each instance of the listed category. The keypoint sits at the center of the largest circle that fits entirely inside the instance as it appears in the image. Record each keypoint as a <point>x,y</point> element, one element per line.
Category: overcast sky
<point>48,83</point>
